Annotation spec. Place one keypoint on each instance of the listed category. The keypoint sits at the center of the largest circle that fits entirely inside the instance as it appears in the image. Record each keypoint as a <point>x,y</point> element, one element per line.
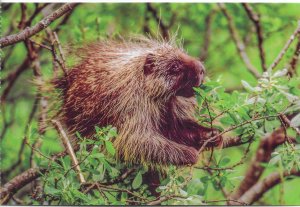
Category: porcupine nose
<point>199,71</point>
<point>195,68</point>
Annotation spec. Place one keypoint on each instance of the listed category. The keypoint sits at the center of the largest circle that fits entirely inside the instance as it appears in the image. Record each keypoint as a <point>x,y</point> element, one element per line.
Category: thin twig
<point>10,188</point>
<point>207,35</point>
<point>163,28</point>
<point>69,148</point>
<point>232,166</point>
<point>30,31</point>
<point>285,48</point>
<point>60,48</point>
<point>256,21</point>
<point>13,76</point>
<point>288,122</point>
<point>163,199</point>
<point>294,60</point>
<point>238,43</point>
<point>225,200</point>
<point>232,128</point>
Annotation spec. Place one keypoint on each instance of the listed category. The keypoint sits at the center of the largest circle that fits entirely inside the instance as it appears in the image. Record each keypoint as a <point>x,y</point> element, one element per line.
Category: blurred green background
<point>90,22</point>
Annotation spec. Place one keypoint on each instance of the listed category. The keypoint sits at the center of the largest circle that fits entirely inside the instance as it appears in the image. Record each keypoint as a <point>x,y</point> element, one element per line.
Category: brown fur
<point>144,88</point>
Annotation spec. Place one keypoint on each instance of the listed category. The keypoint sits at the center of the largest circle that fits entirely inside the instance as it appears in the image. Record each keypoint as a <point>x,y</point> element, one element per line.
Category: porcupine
<point>143,87</point>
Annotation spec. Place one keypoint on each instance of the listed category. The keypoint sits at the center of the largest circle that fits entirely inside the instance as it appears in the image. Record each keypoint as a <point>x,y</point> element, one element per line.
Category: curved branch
<point>10,188</point>
<point>256,21</point>
<point>285,48</point>
<point>238,43</point>
<point>293,63</point>
<point>12,77</point>
<point>164,28</point>
<point>258,190</point>
<point>30,31</point>
<point>263,154</point>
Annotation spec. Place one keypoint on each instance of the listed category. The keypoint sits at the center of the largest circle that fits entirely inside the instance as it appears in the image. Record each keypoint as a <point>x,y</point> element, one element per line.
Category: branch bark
<point>285,48</point>
<point>258,190</point>
<point>295,58</point>
<point>69,148</point>
<point>255,19</point>
<point>263,155</point>
<point>239,44</point>
<point>163,28</point>
<point>207,35</point>
<point>10,188</point>
<point>30,31</point>
<point>12,77</point>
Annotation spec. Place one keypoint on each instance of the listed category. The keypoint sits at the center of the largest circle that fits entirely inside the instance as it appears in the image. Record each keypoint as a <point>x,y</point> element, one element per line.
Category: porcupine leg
<point>165,153</point>
<point>195,135</point>
<point>151,178</point>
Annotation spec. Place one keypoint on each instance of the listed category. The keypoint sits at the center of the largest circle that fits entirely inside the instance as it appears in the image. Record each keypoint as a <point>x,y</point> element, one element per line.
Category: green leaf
<point>204,179</point>
<point>52,191</point>
<point>137,182</point>
<point>216,185</point>
<point>110,147</point>
<point>224,161</point>
<point>227,120</point>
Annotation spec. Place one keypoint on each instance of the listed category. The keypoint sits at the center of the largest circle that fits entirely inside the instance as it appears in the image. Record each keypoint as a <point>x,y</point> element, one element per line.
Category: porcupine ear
<point>149,64</point>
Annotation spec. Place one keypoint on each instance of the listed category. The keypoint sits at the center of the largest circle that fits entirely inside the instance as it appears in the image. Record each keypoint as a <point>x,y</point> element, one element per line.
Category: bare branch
<point>36,12</point>
<point>214,138</point>
<point>207,35</point>
<point>22,23</point>
<point>255,19</point>
<point>258,190</point>
<point>288,123</point>
<point>238,43</point>
<point>163,199</point>
<point>30,31</point>
<point>12,77</point>
<point>10,188</point>
<point>285,48</point>
<point>263,155</point>
<point>295,58</point>
<point>121,178</point>
<point>163,28</point>
<point>69,148</point>
<point>59,48</point>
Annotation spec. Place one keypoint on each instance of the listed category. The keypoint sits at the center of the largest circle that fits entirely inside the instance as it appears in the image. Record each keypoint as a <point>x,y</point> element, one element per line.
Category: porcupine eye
<point>175,70</point>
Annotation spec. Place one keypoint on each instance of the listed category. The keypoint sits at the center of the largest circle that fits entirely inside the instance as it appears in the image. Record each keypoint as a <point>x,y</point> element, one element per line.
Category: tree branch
<point>10,188</point>
<point>69,148</point>
<point>207,35</point>
<point>263,155</point>
<point>255,19</point>
<point>30,31</point>
<point>163,199</point>
<point>12,77</point>
<point>163,28</point>
<point>295,58</point>
<point>258,190</point>
<point>238,43</point>
<point>285,48</point>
